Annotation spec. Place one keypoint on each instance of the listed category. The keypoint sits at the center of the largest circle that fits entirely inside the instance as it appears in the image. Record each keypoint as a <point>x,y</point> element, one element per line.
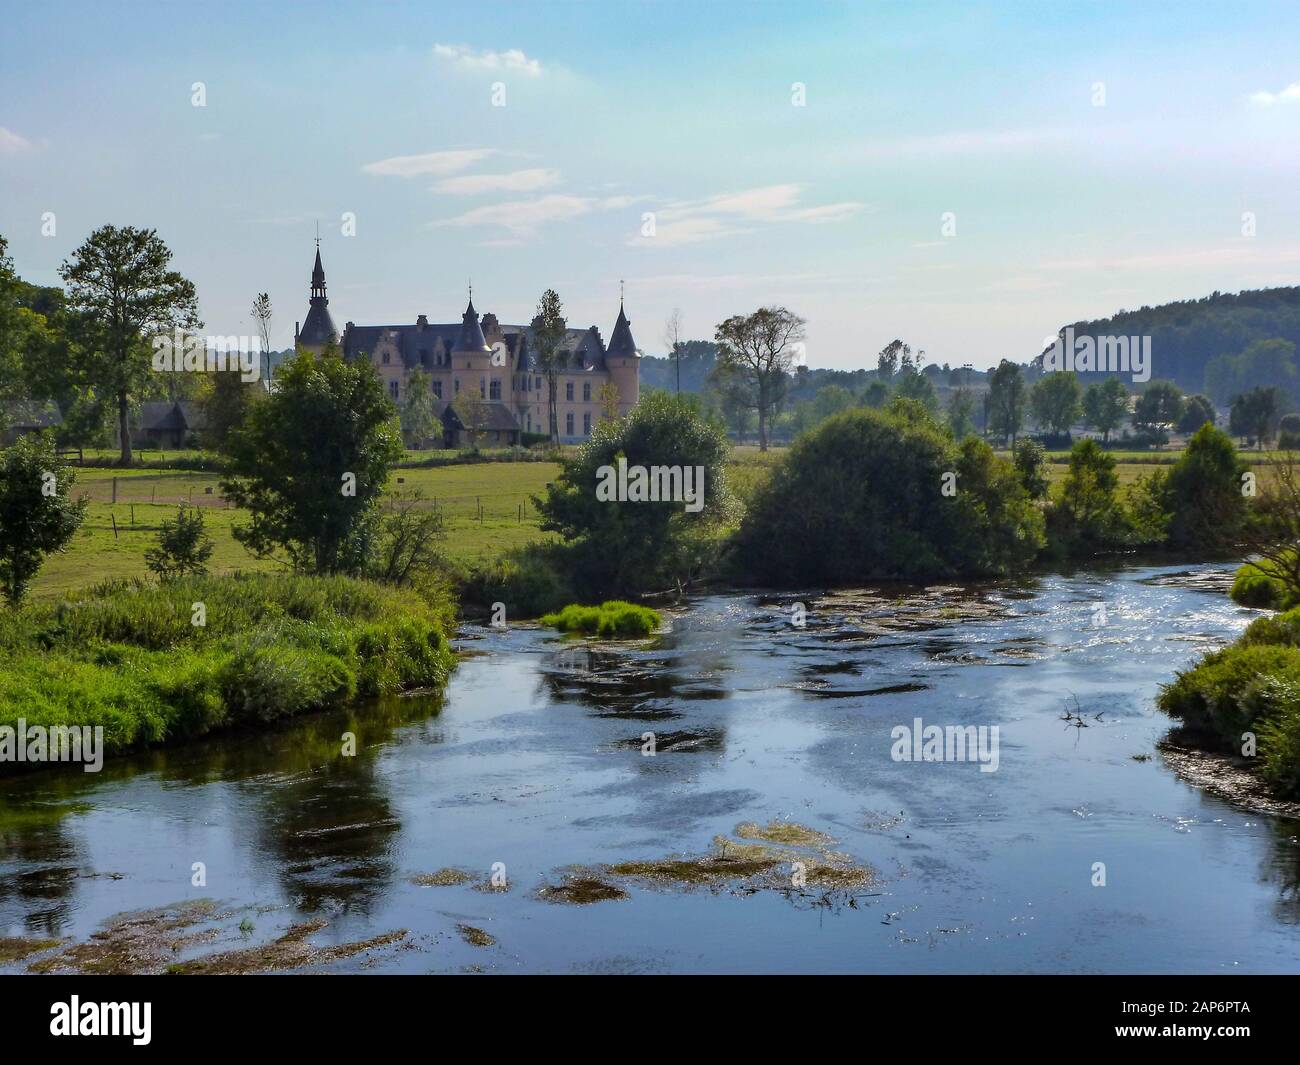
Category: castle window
<point>586,391</point>
<point>494,389</point>
<point>393,388</point>
<point>586,425</point>
<point>456,386</point>
<point>437,388</point>
<point>539,384</point>
<point>568,424</point>
<point>568,393</point>
<point>386,358</point>
<point>482,388</point>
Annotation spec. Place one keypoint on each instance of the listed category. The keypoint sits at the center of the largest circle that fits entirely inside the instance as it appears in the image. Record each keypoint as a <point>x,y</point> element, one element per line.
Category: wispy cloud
<point>12,143</point>
<point>524,217</point>
<point>516,181</point>
<point>448,162</point>
<point>1289,95</point>
<point>729,214</point>
<point>467,58</point>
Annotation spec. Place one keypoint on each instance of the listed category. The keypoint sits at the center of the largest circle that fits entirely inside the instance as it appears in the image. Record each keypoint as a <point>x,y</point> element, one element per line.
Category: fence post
<point>114,489</point>
<point>112,515</point>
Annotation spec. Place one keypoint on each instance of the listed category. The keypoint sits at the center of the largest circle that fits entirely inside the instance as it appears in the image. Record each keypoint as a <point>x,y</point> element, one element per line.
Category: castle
<point>500,361</point>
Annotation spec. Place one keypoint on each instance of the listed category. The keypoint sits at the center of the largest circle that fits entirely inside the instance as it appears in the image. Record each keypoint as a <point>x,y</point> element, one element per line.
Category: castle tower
<point>623,361</point>
<point>471,359</point>
<point>318,330</point>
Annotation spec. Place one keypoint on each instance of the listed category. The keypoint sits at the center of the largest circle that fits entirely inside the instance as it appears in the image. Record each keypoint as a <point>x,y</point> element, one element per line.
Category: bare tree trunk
<point>124,429</point>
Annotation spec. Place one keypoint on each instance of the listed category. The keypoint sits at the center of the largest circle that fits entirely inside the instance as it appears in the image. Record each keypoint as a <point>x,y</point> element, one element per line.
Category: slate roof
<point>160,416</point>
<point>498,417</point>
<point>420,342</point>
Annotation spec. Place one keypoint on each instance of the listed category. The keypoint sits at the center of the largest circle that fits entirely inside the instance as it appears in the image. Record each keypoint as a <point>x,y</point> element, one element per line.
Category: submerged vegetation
<point>152,663</point>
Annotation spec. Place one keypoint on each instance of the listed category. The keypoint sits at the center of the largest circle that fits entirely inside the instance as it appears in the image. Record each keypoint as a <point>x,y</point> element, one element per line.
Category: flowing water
<point>532,765</point>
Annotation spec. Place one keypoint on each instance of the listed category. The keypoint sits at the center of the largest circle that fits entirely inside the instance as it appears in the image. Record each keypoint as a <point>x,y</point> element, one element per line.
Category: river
<point>774,737</point>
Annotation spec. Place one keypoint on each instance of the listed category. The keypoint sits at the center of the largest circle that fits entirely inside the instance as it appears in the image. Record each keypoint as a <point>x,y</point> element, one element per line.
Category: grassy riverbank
<point>132,657</point>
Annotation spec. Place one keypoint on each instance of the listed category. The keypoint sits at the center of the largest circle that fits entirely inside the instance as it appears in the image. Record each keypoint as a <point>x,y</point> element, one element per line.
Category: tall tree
<point>418,419</point>
<point>1255,414</point>
<point>37,513</point>
<point>311,461</point>
<point>673,338</point>
<point>961,413</point>
<point>761,347</point>
<point>124,291</point>
<point>1054,400</point>
<point>262,316</point>
<point>549,328</point>
<point>1006,399</point>
<point>1105,406</point>
<point>1159,405</point>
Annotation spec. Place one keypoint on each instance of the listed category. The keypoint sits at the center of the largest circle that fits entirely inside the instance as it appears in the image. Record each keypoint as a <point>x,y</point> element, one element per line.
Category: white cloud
<point>516,181</point>
<point>526,216</point>
<point>12,143</point>
<point>429,163</point>
<point>1289,95</point>
<point>522,218</point>
<point>731,214</point>
<point>467,58</point>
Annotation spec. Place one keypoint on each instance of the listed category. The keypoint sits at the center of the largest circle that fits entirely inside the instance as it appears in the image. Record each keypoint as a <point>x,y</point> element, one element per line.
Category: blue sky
<point>1063,209</point>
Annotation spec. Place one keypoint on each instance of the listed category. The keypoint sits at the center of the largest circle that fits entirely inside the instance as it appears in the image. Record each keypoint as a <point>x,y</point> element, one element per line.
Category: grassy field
<point>487,506</point>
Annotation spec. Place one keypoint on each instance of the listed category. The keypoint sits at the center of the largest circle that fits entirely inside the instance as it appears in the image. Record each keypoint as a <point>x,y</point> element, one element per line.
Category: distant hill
<point>1186,335</point>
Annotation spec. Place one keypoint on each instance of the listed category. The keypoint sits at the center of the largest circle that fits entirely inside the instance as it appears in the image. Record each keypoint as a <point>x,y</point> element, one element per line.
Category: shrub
<point>613,618</point>
<point>863,496</point>
<point>1255,585</point>
<point>632,545</point>
<point>1202,493</point>
<point>183,546</point>
<point>1223,695</point>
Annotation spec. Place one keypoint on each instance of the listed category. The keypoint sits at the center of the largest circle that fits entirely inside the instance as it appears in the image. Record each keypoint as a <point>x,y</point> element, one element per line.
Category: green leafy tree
<point>634,545</point>
<point>1089,516</point>
<point>961,413</point>
<point>1006,401</point>
<point>1255,414</point>
<point>183,546</point>
<point>1160,405</point>
<point>1197,411</point>
<point>1203,493</point>
<point>876,395</point>
<point>311,461</point>
<point>37,514</point>
<point>1055,401</point>
<point>418,418</point>
<point>1105,406</point>
<point>13,330</point>
<point>760,347</point>
<point>549,331</point>
<point>123,291</point>
<point>886,495</point>
<point>226,400</point>
<point>917,386</point>
<point>1030,461</point>
<point>472,411</point>
<point>409,545</point>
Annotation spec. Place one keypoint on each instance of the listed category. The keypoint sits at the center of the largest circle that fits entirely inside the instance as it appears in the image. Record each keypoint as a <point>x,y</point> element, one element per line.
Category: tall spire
<point>318,329</point>
<point>620,341</point>
<point>471,333</point>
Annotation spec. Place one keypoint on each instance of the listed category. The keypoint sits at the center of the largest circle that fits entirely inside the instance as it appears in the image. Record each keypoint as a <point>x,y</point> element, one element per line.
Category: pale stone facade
<point>499,361</point>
